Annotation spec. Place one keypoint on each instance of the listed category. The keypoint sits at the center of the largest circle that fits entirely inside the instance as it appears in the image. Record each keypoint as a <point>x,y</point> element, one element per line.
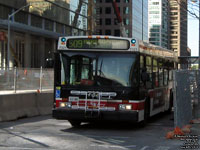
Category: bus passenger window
<point>160,74</point>
<point>165,77</point>
<point>155,73</point>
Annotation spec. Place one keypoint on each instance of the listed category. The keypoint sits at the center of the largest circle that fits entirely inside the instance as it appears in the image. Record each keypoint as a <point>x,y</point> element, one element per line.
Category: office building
<point>178,26</point>
<point>158,23</point>
<point>34,30</point>
<point>133,12</point>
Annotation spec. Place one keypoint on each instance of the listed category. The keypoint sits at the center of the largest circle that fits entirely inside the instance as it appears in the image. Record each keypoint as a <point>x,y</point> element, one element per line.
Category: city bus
<point>107,78</point>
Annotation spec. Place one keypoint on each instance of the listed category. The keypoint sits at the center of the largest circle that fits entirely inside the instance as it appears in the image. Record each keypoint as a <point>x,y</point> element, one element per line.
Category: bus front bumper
<point>91,115</point>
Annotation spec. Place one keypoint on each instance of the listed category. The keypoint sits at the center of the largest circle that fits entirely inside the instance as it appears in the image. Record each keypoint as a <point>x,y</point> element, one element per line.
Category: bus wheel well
<point>171,101</point>
<point>146,113</point>
<point>147,108</point>
<point>75,123</point>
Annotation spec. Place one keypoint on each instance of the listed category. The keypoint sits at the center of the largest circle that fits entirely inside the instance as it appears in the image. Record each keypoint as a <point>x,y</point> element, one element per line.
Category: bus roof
<point>135,45</point>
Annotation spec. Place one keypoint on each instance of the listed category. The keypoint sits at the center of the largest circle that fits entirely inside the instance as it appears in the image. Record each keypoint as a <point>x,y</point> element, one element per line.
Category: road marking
<point>145,147</point>
<point>113,146</point>
<point>114,137</point>
<point>108,146</point>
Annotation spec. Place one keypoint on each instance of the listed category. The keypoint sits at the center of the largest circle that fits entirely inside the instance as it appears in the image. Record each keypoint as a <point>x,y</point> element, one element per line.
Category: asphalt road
<point>43,133</point>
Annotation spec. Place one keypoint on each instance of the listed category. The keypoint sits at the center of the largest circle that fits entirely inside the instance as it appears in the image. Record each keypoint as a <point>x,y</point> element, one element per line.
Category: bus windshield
<point>98,69</point>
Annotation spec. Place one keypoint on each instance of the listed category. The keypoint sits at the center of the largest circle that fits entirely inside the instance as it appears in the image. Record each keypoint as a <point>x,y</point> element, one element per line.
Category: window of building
<point>59,28</point>
<point>100,21</point>
<point>118,1</point>
<point>174,8</point>
<point>154,12</point>
<point>108,10</point>
<point>108,21</point>
<point>36,21</point>
<point>115,21</point>
<point>99,32</point>
<point>68,30</point>
<point>125,10</point>
<point>48,25</point>
<point>100,10</point>
<point>19,52</point>
<point>126,21</point>
<point>4,11</point>
<point>126,1</point>
<point>174,37</point>
<point>107,32</point>
<point>116,32</point>
<point>155,3</point>
<point>21,17</point>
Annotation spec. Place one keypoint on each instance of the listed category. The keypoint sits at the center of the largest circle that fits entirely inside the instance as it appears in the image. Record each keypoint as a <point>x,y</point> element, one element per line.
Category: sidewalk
<point>195,130</point>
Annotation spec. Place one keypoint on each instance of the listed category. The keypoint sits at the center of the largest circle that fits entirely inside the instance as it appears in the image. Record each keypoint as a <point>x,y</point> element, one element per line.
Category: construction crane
<point>119,18</point>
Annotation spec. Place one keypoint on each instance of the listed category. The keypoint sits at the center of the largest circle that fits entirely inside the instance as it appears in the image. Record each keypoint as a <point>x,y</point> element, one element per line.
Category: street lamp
<point>9,17</point>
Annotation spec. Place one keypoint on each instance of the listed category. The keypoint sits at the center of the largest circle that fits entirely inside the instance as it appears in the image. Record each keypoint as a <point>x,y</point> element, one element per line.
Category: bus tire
<point>75,123</point>
<point>146,113</point>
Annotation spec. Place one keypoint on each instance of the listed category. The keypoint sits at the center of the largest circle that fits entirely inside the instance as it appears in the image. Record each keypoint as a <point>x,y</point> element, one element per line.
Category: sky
<point>193,34</point>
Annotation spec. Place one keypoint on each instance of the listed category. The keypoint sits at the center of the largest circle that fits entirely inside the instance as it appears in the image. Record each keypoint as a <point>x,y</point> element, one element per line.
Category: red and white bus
<point>111,78</point>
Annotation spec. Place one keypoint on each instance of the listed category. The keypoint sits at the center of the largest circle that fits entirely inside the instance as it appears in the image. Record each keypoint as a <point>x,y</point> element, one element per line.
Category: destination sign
<point>85,43</point>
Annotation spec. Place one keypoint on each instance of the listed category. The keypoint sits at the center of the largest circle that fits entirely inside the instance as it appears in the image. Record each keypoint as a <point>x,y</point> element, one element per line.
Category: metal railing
<point>24,79</point>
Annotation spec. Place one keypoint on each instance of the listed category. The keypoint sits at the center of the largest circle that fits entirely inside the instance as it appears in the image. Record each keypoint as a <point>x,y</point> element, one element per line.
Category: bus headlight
<point>125,107</point>
<point>62,104</point>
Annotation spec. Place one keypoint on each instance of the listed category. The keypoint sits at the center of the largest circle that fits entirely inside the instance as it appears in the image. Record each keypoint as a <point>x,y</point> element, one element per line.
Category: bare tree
<point>191,6</point>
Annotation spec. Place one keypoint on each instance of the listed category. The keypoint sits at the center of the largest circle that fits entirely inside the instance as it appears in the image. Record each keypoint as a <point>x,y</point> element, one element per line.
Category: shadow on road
<point>23,121</point>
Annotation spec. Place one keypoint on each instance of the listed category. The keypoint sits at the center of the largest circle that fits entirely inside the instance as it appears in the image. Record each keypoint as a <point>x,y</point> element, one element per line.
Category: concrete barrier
<point>15,106</point>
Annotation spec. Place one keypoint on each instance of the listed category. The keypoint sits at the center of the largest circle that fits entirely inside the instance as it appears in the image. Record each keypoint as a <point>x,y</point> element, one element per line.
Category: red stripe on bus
<point>138,106</point>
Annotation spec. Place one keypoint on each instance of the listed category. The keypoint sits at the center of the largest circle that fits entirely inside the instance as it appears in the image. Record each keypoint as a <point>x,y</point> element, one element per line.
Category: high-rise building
<point>133,12</point>
<point>178,26</point>
<point>158,23</point>
<point>35,28</point>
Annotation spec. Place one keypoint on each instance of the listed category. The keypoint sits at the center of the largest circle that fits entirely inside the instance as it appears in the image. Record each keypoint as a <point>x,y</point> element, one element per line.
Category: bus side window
<point>155,73</point>
<point>165,76</point>
<point>160,65</point>
<point>149,71</point>
<point>141,67</point>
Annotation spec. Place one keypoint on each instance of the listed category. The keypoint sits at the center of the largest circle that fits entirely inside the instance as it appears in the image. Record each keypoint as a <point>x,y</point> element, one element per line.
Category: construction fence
<point>24,79</point>
<point>186,92</point>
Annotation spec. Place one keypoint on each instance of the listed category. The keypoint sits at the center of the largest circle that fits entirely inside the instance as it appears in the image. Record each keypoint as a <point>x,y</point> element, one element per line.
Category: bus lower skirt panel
<point>70,114</point>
